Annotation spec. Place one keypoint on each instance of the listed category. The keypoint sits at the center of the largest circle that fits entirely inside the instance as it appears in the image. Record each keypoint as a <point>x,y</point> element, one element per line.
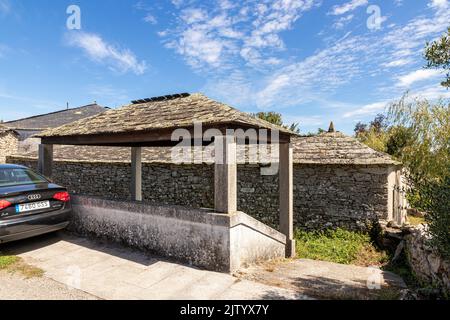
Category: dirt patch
<point>13,264</point>
<point>14,286</point>
<point>326,280</point>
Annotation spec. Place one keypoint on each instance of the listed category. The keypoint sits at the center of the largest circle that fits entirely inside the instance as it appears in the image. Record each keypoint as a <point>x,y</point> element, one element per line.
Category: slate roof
<point>4,129</point>
<point>55,119</point>
<point>336,148</point>
<point>169,112</point>
<point>327,148</point>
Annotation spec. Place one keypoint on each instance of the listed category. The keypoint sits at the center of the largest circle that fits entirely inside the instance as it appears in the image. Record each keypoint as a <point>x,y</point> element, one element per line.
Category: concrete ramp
<point>200,237</point>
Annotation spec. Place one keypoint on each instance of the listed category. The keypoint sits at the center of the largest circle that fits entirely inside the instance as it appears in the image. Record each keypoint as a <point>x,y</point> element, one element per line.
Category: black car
<point>30,204</point>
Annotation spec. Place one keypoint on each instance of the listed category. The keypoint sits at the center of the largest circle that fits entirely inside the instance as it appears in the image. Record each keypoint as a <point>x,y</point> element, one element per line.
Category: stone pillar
<point>45,162</point>
<point>225,175</point>
<point>136,174</point>
<point>287,197</point>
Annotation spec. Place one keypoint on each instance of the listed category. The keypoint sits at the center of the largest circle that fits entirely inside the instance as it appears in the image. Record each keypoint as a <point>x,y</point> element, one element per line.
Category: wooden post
<point>225,175</point>
<point>286,197</point>
<point>45,162</point>
<point>136,174</point>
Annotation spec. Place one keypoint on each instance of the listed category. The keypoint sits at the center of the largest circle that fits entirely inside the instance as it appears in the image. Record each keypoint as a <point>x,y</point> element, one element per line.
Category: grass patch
<point>7,261</point>
<point>14,264</point>
<point>415,221</point>
<point>340,246</point>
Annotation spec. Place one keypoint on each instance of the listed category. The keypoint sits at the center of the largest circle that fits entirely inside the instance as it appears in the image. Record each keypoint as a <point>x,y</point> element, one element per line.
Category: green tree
<point>398,138</point>
<point>374,139</point>
<point>277,119</point>
<point>374,135</point>
<point>360,128</point>
<point>426,156</point>
<point>437,54</point>
<point>272,117</point>
<point>295,127</point>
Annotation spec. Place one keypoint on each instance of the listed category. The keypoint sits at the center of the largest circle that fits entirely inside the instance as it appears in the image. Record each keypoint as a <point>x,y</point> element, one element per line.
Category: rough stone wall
<point>351,197</point>
<point>8,145</point>
<point>325,196</point>
<point>426,264</point>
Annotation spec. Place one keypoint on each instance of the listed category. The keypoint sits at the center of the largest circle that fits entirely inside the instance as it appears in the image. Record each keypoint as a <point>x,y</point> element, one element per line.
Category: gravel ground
<point>16,287</point>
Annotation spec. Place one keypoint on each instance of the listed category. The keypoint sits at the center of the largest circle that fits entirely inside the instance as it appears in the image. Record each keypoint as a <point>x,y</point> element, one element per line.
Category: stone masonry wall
<point>325,196</point>
<point>8,145</point>
<point>426,264</point>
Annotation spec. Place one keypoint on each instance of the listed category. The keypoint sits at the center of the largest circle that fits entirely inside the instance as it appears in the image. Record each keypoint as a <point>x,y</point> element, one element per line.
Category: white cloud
<point>369,109</point>
<point>234,88</point>
<point>419,75</point>
<point>315,76</point>
<point>5,7</point>
<point>431,93</point>
<point>225,33</point>
<point>97,49</point>
<point>354,57</point>
<point>239,46</point>
<point>397,63</point>
<point>305,120</point>
<point>150,19</point>
<point>440,4</point>
<point>342,21</point>
<point>348,7</point>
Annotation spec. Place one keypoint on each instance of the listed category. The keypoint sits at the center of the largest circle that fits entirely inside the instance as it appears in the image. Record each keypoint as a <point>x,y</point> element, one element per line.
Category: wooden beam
<point>287,197</point>
<point>225,175</point>
<point>136,174</point>
<point>45,161</point>
<point>157,138</point>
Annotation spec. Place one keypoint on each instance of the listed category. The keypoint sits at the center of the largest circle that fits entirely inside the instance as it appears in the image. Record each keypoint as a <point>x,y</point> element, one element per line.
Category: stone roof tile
<point>181,111</point>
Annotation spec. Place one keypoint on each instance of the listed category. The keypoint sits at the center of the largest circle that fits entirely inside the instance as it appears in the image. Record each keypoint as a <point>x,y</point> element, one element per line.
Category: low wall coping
<point>201,215</point>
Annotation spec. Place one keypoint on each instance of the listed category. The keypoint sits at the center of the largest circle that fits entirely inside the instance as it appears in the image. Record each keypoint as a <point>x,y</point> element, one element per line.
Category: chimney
<point>331,129</point>
<point>67,105</point>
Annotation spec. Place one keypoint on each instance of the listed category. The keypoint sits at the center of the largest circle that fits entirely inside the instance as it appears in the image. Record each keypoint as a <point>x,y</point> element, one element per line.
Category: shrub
<point>426,157</point>
<point>436,198</point>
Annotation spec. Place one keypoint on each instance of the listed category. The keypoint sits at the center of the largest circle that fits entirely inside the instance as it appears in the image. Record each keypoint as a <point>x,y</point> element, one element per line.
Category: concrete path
<point>16,287</point>
<point>113,272</point>
<point>326,280</point>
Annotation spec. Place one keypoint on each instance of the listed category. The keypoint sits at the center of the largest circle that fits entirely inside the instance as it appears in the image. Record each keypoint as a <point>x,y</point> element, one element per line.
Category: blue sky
<point>311,60</point>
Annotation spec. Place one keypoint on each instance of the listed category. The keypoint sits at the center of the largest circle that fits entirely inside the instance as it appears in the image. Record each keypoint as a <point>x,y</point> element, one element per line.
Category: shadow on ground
<point>116,250</point>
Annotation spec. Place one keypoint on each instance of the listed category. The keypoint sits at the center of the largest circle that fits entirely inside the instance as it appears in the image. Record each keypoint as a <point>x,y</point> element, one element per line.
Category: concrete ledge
<point>252,241</point>
<point>168,211</point>
<point>218,242</point>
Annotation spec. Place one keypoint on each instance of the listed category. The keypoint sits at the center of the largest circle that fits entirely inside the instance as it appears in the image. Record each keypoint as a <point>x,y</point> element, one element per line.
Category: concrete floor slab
<point>114,272</point>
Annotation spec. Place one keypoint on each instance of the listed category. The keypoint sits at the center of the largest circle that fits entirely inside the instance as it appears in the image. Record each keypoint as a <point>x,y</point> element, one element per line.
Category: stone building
<point>338,181</point>
<point>9,140</point>
<point>27,127</point>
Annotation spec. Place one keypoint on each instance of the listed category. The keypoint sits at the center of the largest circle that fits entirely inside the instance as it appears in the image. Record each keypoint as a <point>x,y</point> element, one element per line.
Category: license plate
<point>32,206</point>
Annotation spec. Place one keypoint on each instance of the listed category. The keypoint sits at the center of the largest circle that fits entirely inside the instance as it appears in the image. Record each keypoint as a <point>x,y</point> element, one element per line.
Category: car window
<point>18,176</point>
